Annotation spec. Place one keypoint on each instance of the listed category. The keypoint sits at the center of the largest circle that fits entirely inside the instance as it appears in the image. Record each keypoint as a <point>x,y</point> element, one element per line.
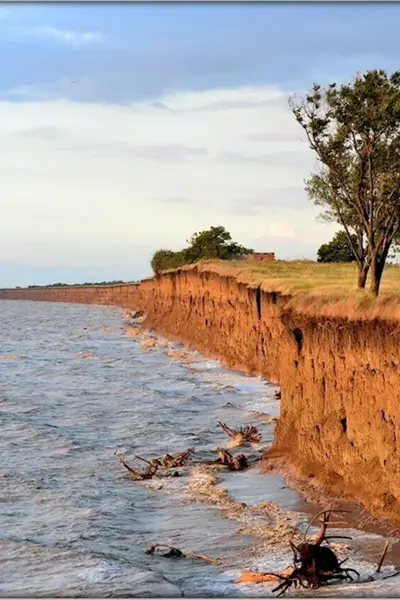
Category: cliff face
<point>340,408</point>
<point>121,295</point>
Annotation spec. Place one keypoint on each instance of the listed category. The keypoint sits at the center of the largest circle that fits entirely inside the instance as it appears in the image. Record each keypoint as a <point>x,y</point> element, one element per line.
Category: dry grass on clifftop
<point>315,288</point>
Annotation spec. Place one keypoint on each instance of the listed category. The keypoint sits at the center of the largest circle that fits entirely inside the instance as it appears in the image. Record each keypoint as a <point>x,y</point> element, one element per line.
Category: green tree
<point>215,242</point>
<point>320,194</point>
<point>354,129</point>
<point>338,249</point>
<point>167,259</point>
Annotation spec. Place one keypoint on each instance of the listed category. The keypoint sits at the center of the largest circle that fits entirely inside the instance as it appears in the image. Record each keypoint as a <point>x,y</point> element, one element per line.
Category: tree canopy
<point>215,242</point>
<point>338,249</point>
<point>354,130</point>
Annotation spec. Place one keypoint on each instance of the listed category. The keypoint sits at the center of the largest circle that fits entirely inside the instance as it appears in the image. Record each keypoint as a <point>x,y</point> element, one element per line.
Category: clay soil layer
<point>340,406</point>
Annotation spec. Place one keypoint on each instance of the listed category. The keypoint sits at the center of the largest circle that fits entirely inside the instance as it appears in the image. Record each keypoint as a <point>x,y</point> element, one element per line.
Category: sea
<point>80,384</point>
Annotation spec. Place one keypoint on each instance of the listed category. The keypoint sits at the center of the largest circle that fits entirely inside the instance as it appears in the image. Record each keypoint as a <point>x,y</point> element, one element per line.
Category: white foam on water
<point>73,520</point>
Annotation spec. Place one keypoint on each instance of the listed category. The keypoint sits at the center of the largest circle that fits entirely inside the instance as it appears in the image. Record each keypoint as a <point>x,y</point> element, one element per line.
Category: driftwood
<point>380,563</point>
<point>137,474</point>
<point>168,461</point>
<point>247,577</point>
<point>225,459</point>
<point>155,464</point>
<point>313,563</point>
<point>249,433</point>
<point>234,463</point>
<point>177,553</point>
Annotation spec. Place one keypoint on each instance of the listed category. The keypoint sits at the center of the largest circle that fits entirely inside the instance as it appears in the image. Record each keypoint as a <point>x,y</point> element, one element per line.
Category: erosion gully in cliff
<point>340,408</point>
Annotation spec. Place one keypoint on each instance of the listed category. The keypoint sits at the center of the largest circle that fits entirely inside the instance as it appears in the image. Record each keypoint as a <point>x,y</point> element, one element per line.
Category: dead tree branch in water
<point>177,553</point>
<point>313,563</point>
<point>380,563</point>
<point>234,463</point>
<point>138,475</point>
<point>168,461</point>
<point>155,464</point>
<point>246,434</point>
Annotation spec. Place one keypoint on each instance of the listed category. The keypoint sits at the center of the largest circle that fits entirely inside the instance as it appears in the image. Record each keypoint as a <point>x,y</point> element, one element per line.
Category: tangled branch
<point>246,434</point>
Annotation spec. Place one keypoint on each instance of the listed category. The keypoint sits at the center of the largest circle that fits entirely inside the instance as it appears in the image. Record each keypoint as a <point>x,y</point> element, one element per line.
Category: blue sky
<point>127,127</point>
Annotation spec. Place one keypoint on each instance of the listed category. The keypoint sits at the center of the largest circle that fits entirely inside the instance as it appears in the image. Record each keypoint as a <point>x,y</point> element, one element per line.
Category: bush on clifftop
<point>338,249</point>
<point>167,259</point>
<point>215,242</point>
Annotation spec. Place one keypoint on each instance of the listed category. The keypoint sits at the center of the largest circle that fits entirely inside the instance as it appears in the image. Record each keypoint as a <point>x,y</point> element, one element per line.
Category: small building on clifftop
<point>261,256</point>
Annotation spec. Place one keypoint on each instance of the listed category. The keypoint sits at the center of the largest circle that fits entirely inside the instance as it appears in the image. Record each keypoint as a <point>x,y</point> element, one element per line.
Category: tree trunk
<point>377,266</point>
<point>362,275</point>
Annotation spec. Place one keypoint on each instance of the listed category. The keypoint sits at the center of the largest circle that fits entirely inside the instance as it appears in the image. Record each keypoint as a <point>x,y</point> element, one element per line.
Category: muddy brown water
<point>75,386</point>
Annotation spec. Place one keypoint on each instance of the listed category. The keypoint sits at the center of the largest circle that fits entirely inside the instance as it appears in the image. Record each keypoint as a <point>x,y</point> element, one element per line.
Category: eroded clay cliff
<point>340,409</point>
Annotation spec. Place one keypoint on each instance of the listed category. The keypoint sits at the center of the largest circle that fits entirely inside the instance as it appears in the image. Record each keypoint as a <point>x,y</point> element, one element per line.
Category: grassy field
<point>322,288</point>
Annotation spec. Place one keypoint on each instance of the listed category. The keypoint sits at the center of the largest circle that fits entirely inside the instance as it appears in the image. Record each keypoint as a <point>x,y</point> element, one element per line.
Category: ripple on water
<point>75,387</point>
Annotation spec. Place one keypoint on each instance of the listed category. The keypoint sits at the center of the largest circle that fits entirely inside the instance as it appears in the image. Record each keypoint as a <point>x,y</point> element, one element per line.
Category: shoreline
<point>310,499</point>
<point>338,377</point>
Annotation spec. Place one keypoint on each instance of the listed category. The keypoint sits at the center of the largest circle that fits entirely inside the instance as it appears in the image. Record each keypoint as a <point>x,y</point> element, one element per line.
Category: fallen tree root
<point>168,461</point>
<point>313,563</point>
<point>138,475</point>
<point>177,553</point>
<point>248,433</point>
<point>234,463</point>
<point>155,464</point>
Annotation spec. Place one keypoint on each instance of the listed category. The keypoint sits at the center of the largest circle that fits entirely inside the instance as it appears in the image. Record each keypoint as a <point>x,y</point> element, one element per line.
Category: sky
<point>125,128</point>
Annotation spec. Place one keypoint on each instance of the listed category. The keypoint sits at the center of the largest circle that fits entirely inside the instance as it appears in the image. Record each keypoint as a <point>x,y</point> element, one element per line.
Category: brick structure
<point>262,256</point>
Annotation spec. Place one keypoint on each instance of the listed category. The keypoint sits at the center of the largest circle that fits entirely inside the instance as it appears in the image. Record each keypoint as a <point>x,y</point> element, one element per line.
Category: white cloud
<point>62,35</point>
<point>109,183</point>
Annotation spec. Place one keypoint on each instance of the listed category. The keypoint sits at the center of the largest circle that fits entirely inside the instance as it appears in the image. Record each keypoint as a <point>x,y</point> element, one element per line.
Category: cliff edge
<point>340,407</point>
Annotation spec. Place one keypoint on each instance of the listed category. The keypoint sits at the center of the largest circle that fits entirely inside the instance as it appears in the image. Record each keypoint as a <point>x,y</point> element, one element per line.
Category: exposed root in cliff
<point>245,435</point>
<point>177,553</point>
<point>165,462</point>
